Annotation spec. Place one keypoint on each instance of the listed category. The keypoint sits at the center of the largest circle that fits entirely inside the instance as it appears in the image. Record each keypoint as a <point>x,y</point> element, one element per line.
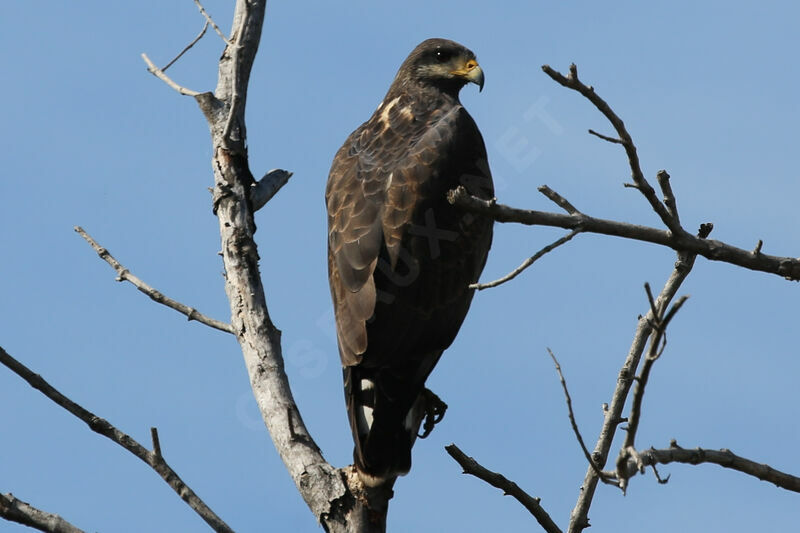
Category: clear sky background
<point>707,89</point>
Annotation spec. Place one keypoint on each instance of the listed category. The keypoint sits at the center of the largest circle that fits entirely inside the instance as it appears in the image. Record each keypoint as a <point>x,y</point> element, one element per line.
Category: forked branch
<point>787,267</point>
<point>579,518</point>
<point>160,74</point>
<point>571,81</point>
<point>657,344</point>
<point>108,430</point>
<point>674,237</point>
<point>210,20</point>
<point>633,463</point>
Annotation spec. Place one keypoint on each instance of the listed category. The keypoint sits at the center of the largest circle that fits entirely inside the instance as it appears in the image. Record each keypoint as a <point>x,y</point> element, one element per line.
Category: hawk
<point>400,257</point>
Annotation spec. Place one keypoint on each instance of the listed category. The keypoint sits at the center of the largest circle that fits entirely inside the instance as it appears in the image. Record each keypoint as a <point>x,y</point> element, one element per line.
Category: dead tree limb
<point>186,48</point>
<point>572,420</point>
<point>657,345</point>
<point>160,74</point>
<point>787,267</point>
<point>335,496</point>
<point>635,463</point>
<point>318,482</point>
<point>675,237</point>
<point>210,20</point>
<point>528,262</point>
<point>103,427</point>
<point>123,274</point>
<point>579,518</point>
<point>16,510</point>
<point>571,81</point>
<point>533,505</point>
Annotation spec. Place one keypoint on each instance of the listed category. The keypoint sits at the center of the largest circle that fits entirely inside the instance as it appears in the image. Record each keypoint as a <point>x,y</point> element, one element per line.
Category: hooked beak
<point>472,72</point>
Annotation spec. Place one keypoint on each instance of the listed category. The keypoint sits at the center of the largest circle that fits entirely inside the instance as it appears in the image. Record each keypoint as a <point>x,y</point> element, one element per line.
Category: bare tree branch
<point>669,196</point>
<point>786,267</point>
<point>724,457</point>
<point>606,137</point>
<point>106,429</point>
<point>186,49</point>
<point>572,420</point>
<point>123,274</point>
<point>156,441</point>
<point>24,513</point>
<point>472,467</point>
<point>210,20</point>
<point>528,262</point>
<point>559,200</point>
<point>336,497</point>
<point>158,73</point>
<point>571,81</point>
<point>262,191</point>
<point>660,323</point>
<point>579,518</point>
<point>258,337</point>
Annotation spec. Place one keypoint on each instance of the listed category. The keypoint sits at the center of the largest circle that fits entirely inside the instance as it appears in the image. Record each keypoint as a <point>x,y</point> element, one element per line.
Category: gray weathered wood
<point>336,496</point>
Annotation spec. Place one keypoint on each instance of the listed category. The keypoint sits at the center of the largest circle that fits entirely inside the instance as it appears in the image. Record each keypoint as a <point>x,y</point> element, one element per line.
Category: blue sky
<point>708,91</point>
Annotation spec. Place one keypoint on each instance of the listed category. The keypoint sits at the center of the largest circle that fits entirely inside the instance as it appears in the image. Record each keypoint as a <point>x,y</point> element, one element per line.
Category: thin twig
<point>106,429</point>
<point>16,510</point>
<point>650,299</point>
<point>572,417</point>
<point>472,467</point>
<point>191,44</point>
<point>787,267</point>
<point>661,481</point>
<point>723,457</point>
<point>123,274</point>
<point>156,441</point>
<point>671,314</point>
<point>606,137</point>
<point>572,82</point>
<point>158,73</point>
<point>528,262</point>
<point>210,20</point>
<point>559,200</point>
<point>669,197</point>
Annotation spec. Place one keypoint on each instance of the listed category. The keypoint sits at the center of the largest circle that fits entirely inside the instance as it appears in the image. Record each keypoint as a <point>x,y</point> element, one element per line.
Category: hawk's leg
<point>434,411</point>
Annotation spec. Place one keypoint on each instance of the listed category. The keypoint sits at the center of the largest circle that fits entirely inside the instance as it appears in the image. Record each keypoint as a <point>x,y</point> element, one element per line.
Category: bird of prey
<point>400,257</point>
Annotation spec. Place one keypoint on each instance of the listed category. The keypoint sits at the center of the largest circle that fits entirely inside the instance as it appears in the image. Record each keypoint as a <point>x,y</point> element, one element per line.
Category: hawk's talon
<point>434,412</point>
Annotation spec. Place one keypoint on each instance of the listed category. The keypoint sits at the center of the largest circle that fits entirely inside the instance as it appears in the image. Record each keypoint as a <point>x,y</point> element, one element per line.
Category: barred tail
<point>385,415</point>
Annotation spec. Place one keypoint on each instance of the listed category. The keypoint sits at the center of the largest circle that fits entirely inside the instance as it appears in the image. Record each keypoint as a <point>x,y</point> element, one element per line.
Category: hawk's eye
<point>442,55</point>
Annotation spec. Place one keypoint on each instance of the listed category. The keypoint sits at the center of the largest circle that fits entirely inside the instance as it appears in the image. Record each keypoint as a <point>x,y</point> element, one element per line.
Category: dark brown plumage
<point>400,257</point>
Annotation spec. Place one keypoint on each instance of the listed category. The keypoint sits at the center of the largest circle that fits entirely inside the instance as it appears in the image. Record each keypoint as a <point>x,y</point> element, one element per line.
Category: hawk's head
<point>442,63</point>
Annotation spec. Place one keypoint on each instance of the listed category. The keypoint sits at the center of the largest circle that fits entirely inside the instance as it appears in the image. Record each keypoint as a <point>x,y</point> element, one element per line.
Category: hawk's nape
<point>400,257</point>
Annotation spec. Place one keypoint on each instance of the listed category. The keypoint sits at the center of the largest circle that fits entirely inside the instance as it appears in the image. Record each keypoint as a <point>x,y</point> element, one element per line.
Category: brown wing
<point>423,293</point>
<point>373,189</point>
<point>354,201</point>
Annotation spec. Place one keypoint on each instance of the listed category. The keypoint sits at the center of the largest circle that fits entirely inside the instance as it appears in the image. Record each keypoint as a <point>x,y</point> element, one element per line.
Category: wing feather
<point>376,184</point>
